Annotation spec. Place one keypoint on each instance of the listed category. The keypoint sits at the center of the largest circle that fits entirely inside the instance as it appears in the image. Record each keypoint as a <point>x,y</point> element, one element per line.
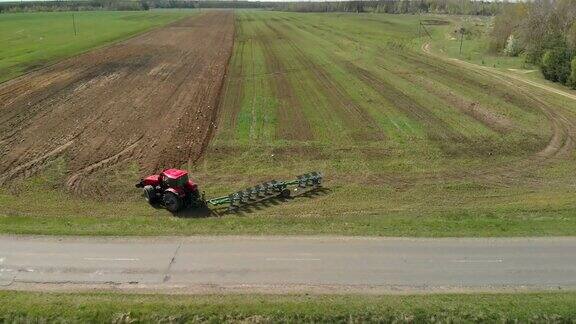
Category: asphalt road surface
<point>288,264</point>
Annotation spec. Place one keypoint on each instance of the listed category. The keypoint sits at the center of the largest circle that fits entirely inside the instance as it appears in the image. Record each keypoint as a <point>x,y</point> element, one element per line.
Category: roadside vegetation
<point>33,40</point>
<point>410,145</point>
<point>25,307</point>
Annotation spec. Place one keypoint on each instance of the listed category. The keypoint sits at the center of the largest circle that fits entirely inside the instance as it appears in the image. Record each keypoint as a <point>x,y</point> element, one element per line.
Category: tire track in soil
<point>33,166</point>
<point>437,130</point>
<point>362,126</point>
<point>511,95</point>
<point>252,132</point>
<point>562,125</point>
<point>561,143</point>
<point>506,91</point>
<point>152,99</point>
<point>498,123</point>
<point>74,182</point>
<point>292,123</point>
<point>233,91</point>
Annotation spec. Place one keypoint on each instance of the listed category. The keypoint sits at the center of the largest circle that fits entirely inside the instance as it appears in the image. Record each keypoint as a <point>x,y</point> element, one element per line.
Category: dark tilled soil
<point>151,100</point>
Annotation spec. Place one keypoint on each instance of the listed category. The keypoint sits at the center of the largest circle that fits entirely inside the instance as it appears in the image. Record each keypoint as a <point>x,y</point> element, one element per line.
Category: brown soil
<point>435,22</point>
<point>233,91</point>
<point>151,99</point>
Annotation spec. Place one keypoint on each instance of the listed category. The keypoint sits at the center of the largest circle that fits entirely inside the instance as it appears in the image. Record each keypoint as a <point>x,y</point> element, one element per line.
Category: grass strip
<point>130,308</point>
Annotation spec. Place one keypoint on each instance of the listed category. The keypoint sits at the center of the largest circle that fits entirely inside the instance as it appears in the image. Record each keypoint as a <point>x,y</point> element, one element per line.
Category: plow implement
<point>269,189</point>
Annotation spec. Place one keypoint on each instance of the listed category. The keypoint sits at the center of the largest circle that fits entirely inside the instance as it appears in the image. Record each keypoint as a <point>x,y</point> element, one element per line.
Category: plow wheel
<point>172,202</point>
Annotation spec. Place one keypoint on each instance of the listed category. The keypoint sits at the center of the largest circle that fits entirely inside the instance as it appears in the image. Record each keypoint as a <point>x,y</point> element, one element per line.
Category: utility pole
<point>421,26</point>
<point>419,23</point>
<point>74,24</point>
<point>461,38</point>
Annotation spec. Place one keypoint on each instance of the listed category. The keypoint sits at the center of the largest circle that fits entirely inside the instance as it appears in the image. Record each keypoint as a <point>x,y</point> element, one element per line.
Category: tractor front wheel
<point>172,202</point>
<point>150,195</point>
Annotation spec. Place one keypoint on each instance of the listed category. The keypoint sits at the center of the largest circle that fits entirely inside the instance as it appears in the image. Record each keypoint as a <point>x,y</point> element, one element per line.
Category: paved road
<point>279,264</point>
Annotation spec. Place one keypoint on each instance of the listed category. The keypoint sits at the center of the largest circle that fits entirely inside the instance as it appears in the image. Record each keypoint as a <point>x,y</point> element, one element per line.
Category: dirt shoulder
<point>426,48</point>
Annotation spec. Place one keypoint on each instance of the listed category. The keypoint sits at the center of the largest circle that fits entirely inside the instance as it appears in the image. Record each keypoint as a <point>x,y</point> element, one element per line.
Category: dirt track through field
<point>151,100</point>
<point>562,142</point>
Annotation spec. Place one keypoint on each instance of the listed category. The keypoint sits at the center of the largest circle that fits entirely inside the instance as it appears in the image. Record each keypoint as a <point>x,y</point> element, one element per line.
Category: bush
<point>512,47</point>
<point>572,80</point>
<point>555,65</point>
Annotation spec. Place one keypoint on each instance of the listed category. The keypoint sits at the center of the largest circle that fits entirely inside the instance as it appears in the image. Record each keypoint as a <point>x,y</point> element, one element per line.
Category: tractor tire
<point>172,202</point>
<point>285,193</point>
<point>196,200</point>
<point>150,195</point>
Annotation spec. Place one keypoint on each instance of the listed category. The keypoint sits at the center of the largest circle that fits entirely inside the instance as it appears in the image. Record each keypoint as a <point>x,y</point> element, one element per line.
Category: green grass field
<point>33,40</point>
<point>410,145</point>
<point>23,307</point>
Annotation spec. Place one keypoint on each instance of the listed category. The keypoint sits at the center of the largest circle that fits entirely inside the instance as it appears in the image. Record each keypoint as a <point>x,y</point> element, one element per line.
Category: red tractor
<point>171,189</point>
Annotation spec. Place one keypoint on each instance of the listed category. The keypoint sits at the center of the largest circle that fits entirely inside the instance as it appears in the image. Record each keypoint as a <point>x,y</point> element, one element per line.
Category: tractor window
<point>180,182</point>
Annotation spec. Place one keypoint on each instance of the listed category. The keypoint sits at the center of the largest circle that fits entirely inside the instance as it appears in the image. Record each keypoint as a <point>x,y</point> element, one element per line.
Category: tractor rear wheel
<point>150,195</point>
<point>196,200</point>
<point>172,202</point>
<point>285,193</point>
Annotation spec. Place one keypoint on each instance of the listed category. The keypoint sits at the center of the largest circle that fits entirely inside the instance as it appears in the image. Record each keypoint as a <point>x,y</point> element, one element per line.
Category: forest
<point>461,7</point>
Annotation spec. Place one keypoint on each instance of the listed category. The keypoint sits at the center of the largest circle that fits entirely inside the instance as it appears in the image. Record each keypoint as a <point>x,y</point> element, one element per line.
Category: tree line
<point>456,7</point>
<point>543,32</point>
<point>80,5</point>
<point>461,7</point>
<point>66,5</point>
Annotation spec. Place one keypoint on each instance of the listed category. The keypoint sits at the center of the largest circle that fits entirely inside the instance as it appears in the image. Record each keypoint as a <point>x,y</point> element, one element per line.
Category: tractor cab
<point>171,188</point>
<point>173,178</point>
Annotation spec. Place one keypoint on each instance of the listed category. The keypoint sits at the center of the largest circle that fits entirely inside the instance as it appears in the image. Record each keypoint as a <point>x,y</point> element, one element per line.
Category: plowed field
<point>150,100</point>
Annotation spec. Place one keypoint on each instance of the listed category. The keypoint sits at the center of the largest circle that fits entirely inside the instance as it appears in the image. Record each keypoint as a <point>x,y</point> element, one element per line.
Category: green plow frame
<point>266,190</point>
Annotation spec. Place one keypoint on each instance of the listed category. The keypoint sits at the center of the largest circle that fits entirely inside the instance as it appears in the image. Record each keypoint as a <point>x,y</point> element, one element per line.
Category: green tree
<point>505,24</point>
<point>571,37</point>
<point>555,65</point>
<point>512,46</point>
<point>572,80</point>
